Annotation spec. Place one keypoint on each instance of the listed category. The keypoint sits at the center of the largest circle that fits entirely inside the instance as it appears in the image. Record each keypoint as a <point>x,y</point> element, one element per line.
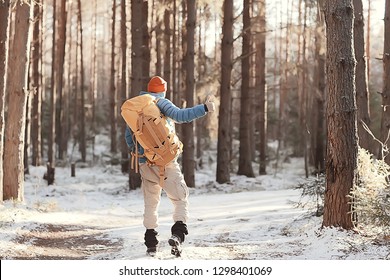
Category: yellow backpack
<point>151,130</point>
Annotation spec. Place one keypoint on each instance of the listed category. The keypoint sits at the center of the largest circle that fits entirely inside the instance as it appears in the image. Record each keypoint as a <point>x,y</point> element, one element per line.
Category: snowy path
<point>93,216</point>
<point>232,226</point>
<point>246,225</point>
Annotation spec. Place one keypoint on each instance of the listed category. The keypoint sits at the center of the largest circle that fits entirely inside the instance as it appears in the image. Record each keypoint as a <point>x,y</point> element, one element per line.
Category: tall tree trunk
<point>68,83</point>
<point>27,129</point>
<point>283,85</point>
<point>385,130</point>
<point>53,90</point>
<point>276,75</point>
<point>76,87</point>
<point>245,151</point>
<point>158,33</point>
<point>179,96</point>
<point>302,99</point>
<point>167,55</point>
<point>174,87</point>
<point>112,92</point>
<point>362,93</point>
<point>136,71</point>
<point>36,83</point>
<point>74,101</point>
<point>368,41</point>
<point>342,145</point>
<point>42,75</point>
<point>261,85</point>
<point>140,62</point>
<point>319,98</point>
<point>93,77</point>
<point>60,56</point>
<point>123,84</point>
<point>201,124</point>
<point>224,136</point>
<point>5,11</point>
<point>18,93</point>
<point>188,128</point>
<point>82,130</point>
<point>145,45</point>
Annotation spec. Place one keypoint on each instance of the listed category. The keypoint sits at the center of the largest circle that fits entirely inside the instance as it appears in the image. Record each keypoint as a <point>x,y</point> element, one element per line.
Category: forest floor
<point>94,216</point>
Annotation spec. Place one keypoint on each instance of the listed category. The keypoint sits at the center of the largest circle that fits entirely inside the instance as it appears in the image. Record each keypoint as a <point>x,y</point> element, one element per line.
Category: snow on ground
<point>95,216</point>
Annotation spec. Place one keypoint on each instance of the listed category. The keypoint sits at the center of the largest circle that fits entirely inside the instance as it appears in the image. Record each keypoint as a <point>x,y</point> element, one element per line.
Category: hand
<point>210,104</point>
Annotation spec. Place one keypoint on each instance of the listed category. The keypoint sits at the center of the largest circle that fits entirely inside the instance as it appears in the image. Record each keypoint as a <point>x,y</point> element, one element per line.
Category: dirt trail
<point>62,242</point>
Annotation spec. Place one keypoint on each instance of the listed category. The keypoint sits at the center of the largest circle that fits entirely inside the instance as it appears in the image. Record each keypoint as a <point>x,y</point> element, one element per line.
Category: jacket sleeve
<point>185,115</point>
<point>129,138</point>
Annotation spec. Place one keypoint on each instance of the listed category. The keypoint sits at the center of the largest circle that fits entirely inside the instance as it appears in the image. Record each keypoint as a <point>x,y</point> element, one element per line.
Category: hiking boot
<point>151,239</point>
<point>179,229</point>
<point>175,242</point>
<point>151,251</point>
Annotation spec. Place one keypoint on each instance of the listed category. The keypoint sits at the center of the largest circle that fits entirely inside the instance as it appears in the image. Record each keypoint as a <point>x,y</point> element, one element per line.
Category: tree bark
<point>261,86</point>
<point>158,33</point>
<point>137,79</point>
<point>136,47</point>
<point>224,136</point>
<point>385,130</point>
<point>59,74</point>
<point>52,121</point>
<point>27,130</point>
<point>5,11</point>
<point>303,94</point>
<point>245,151</point>
<point>179,96</point>
<point>167,55</point>
<point>283,86</point>
<point>145,45</point>
<point>342,141</point>
<point>174,86</point>
<point>18,93</point>
<point>82,130</point>
<point>36,125</point>
<point>94,77</point>
<point>188,128</point>
<point>362,93</point>
<point>202,135</point>
<point>319,99</point>
<point>368,41</point>
<point>123,84</point>
<point>112,92</point>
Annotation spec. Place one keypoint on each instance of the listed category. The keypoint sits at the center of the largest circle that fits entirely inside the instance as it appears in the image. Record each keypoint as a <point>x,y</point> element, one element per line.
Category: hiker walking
<point>172,180</point>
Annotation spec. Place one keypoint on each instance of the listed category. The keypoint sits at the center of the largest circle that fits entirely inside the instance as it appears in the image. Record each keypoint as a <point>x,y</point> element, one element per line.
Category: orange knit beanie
<point>157,84</point>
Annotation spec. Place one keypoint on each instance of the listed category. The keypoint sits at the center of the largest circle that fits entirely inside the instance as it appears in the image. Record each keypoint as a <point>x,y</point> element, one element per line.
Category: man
<point>174,184</point>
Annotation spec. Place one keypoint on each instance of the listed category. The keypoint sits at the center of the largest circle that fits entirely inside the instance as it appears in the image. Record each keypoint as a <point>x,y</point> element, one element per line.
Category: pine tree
<point>342,145</point>
<point>5,11</point>
<point>362,93</point>
<point>224,120</point>
<point>188,128</point>
<point>245,151</point>
<point>385,130</point>
<point>18,94</point>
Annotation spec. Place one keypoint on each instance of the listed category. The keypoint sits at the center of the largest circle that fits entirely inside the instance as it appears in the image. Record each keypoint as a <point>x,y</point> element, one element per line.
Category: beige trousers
<point>175,188</point>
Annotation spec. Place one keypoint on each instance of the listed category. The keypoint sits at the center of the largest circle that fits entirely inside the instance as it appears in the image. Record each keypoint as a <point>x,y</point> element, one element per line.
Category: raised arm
<point>185,115</point>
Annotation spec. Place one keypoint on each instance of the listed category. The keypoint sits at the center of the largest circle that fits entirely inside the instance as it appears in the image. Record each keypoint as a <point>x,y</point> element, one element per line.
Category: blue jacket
<point>172,112</point>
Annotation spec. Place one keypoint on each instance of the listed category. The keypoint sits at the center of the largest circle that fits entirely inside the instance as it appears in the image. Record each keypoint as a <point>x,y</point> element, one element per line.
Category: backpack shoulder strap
<point>135,156</point>
<point>153,134</point>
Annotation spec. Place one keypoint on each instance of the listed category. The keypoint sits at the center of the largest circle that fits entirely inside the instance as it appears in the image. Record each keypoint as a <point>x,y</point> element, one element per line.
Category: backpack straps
<point>154,135</point>
<point>135,156</point>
